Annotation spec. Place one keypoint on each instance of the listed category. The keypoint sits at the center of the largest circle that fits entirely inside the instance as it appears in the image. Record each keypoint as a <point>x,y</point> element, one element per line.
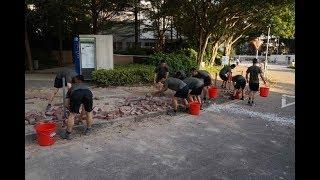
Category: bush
<point>217,61</point>
<point>213,69</point>
<point>176,61</point>
<point>124,75</point>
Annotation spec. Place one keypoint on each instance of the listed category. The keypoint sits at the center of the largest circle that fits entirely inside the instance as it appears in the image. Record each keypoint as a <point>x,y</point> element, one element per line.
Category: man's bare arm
<point>265,83</point>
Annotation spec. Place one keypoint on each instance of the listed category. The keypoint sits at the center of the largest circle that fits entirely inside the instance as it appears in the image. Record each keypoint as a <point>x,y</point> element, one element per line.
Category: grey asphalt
<point>226,141</point>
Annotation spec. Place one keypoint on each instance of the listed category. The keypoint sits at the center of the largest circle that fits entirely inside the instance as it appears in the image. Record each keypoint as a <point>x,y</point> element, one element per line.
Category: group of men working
<point>188,88</point>
<point>239,82</point>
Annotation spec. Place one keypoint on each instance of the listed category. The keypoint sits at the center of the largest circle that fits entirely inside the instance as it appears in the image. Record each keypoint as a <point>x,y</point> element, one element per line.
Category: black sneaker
<point>87,131</point>
<point>66,135</point>
<point>249,103</point>
<point>48,107</point>
<point>201,107</point>
<point>242,98</point>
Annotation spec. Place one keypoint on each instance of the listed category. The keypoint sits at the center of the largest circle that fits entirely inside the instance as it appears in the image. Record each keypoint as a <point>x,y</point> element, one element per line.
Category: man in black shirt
<point>225,74</point>
<point>65,73</point>
<point>207,79</point>
<point>239,83</point>
<point>161,71</point>
<point>253,81</point>
<point>79,95</point>
<point>181,88</point>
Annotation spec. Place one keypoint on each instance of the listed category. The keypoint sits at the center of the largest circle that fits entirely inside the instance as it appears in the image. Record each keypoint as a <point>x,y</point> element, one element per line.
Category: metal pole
<point>64,97</point>
<point>266,61</point>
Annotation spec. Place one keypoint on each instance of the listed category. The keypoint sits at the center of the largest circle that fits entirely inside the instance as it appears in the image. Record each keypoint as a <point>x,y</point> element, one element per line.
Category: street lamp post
<point>266,61</point>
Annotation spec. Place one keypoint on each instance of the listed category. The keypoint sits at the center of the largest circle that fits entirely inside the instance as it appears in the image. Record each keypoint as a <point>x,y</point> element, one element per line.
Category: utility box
<point>94,52</point>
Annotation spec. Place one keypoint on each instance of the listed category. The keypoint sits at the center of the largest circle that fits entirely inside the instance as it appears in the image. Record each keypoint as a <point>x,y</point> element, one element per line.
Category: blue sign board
<point>76,54</point>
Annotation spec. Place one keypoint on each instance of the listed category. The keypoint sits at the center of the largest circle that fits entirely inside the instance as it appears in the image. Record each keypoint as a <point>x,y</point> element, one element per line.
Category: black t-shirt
<point>254,72</point>
<point>238,79</point>
<point>225,70</point>
<point>202,74</point>
<point>66,73</point>
<point>161,71</point>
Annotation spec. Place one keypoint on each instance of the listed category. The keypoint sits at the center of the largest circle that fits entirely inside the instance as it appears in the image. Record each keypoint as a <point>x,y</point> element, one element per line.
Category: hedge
<point>175,61</point>
<point>124,75</point>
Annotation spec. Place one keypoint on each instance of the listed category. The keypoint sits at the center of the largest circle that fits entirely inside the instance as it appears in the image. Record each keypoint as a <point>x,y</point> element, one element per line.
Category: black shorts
<point>78,97</point>
<point>182,93</point>
<point>239,85</point>
<point>254,86</point>
<point>58,82</point>
<point>197,91</point>
<point>207,81</point>
<point>223,77</point>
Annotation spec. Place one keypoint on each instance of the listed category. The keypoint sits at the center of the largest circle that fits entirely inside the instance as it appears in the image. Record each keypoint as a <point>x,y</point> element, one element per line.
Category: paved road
<point>228,141</point>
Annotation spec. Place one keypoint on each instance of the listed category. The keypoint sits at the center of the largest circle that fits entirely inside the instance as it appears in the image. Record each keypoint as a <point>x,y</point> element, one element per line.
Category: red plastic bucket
<point>45,133</point>
<point>213,92</point>
<point>194,108</point>
<point>264,91</point>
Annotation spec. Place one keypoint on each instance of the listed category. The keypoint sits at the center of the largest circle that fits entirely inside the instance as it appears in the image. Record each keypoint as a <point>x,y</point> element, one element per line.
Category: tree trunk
<point>60,58</point>
<point>202,50</point>
<point>95,15</point>
<point>214,53</point>
<point>163,31</point>
<point>171,31</point>
<point>136,26</point>
<point>28,51</point>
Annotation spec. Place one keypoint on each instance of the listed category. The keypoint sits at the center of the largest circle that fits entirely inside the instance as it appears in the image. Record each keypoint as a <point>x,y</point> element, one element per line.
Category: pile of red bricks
<point>128,107</point>
<point>133,106</point>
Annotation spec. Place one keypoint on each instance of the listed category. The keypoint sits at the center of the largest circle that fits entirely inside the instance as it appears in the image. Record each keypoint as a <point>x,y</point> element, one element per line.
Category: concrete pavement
<point>227,141</point>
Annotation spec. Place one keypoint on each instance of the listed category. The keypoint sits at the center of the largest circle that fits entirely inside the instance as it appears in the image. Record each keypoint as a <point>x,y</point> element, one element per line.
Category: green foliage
<point>124,75</point>
<point>175,61</point>
<point>191,53</point>
<point>213,69</point>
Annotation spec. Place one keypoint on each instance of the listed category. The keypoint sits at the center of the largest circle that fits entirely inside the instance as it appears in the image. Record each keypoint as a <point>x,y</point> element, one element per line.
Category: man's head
<point>232,66</point>
<point>163,63</point>
<point>180,75</point>
<point>255,61</point>
<point>77,79</point>
<point>194,71</point>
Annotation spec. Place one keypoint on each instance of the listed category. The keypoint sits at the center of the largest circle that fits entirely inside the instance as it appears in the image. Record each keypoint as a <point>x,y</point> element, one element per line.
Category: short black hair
<point>193,69</point>
<point>80,77</point>
<point>178,74</point>
<point>233,66</point>
<point>255,60</point>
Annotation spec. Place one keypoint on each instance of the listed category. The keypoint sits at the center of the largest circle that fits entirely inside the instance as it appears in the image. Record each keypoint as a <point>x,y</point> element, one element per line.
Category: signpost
<point>76,54</point>
<point>87,56</point>
<point>266,61</point>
